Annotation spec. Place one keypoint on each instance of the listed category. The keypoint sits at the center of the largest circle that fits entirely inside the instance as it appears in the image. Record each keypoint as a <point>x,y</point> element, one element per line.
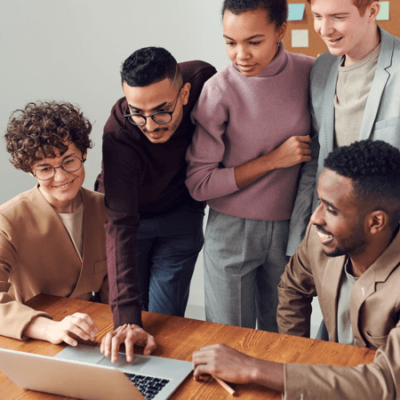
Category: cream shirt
<point>352,90</point>
<point>73,222</point>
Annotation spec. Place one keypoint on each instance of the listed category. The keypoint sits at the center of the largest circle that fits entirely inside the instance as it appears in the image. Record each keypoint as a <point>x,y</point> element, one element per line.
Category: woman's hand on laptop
<point>73,326</point>
<point>129,334</point>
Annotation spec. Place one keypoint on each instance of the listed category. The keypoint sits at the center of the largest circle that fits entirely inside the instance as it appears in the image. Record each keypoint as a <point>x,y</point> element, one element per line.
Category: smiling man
<point>350,259</point>
<point>154,228</point>
<point>354,87</point>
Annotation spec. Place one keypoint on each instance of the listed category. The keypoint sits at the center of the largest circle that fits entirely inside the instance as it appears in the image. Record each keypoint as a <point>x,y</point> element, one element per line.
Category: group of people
<point>267,141</point>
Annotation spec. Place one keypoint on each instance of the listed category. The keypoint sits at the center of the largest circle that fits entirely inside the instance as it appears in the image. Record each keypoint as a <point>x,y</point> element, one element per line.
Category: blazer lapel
<point>379,271</point>
<point>328,297</point>
<point>378,85</point>
<point>327,130</point>
<point>88,255</point>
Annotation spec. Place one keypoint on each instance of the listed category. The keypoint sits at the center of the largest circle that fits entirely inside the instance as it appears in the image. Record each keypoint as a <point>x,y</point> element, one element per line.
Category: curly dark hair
<point>150,65</point>
<point>277,10</point>
<point>374,167</point>
<point>36,131</point>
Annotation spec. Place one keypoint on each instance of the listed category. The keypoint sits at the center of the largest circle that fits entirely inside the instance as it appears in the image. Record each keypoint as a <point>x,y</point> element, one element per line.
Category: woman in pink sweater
<point>252,136</point>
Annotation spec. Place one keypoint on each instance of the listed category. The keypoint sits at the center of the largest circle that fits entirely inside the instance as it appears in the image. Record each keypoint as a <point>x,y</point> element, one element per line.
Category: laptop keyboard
<point>147,385</point>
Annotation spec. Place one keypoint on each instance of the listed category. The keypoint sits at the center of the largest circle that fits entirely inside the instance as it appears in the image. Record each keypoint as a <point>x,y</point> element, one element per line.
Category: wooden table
<point>178,338</point>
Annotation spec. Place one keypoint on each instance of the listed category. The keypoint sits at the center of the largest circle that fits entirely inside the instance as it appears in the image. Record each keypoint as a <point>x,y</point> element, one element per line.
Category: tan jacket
<point>38,256</point>
<point>374,315</point>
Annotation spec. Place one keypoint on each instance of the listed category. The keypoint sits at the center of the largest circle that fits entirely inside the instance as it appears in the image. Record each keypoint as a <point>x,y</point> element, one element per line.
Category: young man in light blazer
<point>354,91</point>
<point>350,259</point>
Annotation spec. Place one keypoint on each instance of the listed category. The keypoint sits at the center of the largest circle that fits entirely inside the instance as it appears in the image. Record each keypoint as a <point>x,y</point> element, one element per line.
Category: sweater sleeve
<point>121,199</point>
<point>14,316</point>
<point>207,178</point>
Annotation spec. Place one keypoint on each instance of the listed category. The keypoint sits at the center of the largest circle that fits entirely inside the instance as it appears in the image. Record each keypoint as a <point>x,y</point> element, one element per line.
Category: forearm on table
<point>268,374</point>
<point>38,328</point>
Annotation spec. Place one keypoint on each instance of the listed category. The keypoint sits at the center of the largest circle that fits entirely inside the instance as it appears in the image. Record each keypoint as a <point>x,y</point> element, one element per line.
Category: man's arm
<point>120,184</point>
<point>379,380</point>
<point>221,361</point>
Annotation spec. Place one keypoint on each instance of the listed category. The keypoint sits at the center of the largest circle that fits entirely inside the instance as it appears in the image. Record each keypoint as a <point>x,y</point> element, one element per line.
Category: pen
<point>225,386</point>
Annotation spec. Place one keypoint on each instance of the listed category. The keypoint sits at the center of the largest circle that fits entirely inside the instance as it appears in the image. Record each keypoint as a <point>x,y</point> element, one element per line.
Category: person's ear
<point>281,32</point>
<point>377,221</point>
<point>373,11</point>
<point>185,92</point>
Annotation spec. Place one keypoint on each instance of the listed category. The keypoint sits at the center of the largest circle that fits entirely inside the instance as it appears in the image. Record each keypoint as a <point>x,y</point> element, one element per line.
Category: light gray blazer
<point>381,121</point>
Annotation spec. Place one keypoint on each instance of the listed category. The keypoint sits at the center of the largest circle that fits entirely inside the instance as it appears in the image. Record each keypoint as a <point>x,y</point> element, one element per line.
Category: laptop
<point>84,373</point>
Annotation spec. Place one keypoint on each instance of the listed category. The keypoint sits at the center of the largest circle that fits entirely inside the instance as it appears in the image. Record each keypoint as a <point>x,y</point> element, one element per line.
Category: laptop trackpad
<point>136,365</point>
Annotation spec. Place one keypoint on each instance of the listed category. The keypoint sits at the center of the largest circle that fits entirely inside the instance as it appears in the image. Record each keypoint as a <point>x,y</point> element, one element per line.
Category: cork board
<point>316,45</point>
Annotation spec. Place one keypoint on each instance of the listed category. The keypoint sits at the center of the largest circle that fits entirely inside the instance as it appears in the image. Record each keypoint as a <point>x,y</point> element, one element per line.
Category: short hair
<point>34,132</point>
<point>150,65</point>
<point>277,10</point>
<point>360,4</point>
<point>374,168</point>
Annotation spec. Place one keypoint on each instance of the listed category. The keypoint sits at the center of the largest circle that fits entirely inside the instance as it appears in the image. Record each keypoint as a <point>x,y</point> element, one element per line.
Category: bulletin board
<point>300,35</point>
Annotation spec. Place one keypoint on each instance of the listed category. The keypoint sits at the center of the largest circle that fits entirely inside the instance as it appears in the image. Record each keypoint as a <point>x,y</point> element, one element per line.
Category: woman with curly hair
<point>52,238</point>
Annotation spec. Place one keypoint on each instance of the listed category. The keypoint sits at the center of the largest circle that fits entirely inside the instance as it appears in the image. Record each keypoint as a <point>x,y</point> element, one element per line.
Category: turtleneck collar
<point>277,65</point>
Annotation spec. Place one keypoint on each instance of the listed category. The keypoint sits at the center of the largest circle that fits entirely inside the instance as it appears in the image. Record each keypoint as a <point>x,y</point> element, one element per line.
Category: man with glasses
<point>154,228</point>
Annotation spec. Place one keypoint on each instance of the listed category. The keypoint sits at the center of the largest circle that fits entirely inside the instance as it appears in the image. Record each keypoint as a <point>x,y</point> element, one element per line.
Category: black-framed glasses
<point>70,164</point>
<point>159,117</point>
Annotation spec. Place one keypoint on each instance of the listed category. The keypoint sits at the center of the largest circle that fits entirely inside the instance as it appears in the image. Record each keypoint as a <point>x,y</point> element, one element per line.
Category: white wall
<point>71,50</point>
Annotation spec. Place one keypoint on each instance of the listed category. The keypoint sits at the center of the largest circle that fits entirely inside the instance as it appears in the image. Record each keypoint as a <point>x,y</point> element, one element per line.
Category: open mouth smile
<point>64,186</point>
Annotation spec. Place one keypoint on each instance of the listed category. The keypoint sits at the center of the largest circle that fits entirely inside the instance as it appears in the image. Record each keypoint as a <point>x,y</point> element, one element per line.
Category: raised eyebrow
<point>329,204</point>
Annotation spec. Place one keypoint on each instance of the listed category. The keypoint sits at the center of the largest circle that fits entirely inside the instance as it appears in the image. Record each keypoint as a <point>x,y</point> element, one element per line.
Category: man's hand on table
<point>221,361</point>
<point>76,325</point>
<point>129,334</point>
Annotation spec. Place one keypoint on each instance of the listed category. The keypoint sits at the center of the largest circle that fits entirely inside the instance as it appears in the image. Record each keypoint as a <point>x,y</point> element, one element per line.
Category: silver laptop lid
<point>83,372</point>
<point>66,378</point>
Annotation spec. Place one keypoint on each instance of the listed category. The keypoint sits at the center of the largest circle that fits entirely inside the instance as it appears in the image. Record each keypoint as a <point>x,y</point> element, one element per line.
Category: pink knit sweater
<point>241,118</point>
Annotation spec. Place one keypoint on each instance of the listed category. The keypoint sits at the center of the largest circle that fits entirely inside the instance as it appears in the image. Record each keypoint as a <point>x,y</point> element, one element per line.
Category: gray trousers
<point>243,262</point>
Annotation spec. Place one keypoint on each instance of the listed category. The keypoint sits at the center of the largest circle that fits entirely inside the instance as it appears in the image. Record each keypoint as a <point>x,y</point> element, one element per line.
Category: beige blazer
<point>374,315</point>
<point>38,256</point>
